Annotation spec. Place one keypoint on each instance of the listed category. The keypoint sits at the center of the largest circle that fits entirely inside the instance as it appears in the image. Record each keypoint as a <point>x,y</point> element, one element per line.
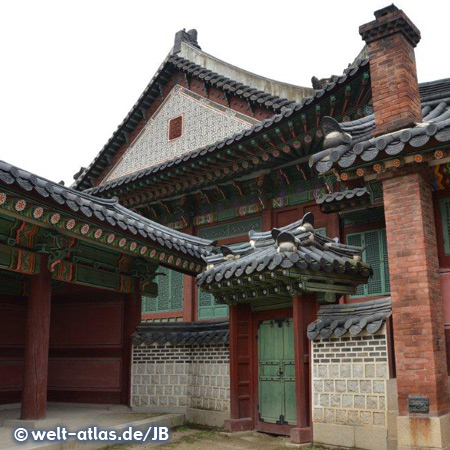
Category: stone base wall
<point>181,376</point>
<point>349,389</point>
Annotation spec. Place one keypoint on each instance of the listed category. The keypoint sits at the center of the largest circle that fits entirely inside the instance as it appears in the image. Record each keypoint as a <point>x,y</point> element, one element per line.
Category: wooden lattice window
<point>207,307</point>
<point>170,293</point>
<point>375,254</point>
<point>175,128</point>
<point>231,229</point>
<point>322,231</point>
<point>445,217</point>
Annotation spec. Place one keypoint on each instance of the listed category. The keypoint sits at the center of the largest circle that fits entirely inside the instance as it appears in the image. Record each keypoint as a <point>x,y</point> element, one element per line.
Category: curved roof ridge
<point>259,97</point>
<point>204,59</point>
<point>267,123</point>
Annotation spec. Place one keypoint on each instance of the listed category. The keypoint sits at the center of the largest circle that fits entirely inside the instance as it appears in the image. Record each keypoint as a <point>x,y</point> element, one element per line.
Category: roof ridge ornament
<point>189,37</point>
<point>334,135</point>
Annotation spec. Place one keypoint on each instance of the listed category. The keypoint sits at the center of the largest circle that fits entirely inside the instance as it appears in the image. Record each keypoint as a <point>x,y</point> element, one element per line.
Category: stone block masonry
<point>349,380</point>
<point>181,376</point>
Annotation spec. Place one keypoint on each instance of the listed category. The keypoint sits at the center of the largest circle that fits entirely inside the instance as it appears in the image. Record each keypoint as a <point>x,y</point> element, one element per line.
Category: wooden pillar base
<point>234,425</point>
<point>301,435</point>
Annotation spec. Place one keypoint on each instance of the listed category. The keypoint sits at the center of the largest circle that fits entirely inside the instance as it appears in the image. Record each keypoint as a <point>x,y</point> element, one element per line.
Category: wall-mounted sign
<point>419,404</point>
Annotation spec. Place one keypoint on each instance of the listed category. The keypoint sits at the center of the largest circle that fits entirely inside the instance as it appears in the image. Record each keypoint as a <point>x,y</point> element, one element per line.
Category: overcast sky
<point>71,70</point>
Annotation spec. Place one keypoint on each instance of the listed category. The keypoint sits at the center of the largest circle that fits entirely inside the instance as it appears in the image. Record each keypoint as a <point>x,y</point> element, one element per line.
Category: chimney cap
<point>386,10</point>
<point>388,21</point>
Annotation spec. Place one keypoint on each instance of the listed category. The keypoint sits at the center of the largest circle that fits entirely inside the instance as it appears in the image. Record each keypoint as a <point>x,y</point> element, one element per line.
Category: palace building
<point>254,254</point>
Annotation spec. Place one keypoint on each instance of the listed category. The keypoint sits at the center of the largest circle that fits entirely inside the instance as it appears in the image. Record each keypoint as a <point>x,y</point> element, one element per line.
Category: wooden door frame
<point>285,313</point>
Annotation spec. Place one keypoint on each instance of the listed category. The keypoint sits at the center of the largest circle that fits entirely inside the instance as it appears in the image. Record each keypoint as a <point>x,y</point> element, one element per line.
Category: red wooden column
<point>416,300</point>
<point>34,393</point>
<point>131,319</point>
<point>189,287</point>
<point>303,309</point>
<point>267,217</point>
<point>241,396</point>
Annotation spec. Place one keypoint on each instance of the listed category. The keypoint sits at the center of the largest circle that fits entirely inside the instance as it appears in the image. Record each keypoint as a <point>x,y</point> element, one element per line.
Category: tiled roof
<point>295,246</point>
<point>153,90</point>
<point>108,211</point>
<point>262,127</point>
<point>186,333</point>
<point>230,86</point>
<point>362,147</point>
<point>354,318</point>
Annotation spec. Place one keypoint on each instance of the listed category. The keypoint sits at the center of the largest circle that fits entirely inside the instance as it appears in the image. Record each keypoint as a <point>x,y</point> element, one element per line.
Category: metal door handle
<point>280,372</point>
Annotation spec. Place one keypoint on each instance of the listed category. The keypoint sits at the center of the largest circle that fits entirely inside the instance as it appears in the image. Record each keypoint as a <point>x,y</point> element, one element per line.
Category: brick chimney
<point>391,39</point>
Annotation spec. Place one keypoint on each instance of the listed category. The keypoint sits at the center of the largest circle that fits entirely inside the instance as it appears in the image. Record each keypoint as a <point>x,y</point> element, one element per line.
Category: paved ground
<point>196,439</point>
<point>78,417</point>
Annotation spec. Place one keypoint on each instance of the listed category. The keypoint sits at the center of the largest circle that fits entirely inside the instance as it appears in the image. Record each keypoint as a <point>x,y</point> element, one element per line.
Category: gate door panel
<point>276,372</point>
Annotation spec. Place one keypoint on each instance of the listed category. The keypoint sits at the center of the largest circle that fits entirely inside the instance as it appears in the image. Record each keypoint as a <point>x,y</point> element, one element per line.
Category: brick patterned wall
<point>349,380</point>
<point>194,376</point>
<point>415,291</point>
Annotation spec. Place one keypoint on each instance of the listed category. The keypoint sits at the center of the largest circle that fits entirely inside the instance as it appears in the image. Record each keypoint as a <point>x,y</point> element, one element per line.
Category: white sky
<point>71,70</point>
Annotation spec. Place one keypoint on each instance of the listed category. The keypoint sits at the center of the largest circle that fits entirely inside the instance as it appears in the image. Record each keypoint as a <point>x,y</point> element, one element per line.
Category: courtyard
<point>190,438</point>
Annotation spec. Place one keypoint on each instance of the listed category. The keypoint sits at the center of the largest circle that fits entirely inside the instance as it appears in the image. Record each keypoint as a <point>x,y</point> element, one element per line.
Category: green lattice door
<point>375,253</point>
<point>208,308</point>
<point>445,216</point>
<point>276,372</point>
<point>170,293</point>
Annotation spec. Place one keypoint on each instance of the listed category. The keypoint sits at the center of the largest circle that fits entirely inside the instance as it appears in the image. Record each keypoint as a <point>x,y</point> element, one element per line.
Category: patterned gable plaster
<point>204,122</point>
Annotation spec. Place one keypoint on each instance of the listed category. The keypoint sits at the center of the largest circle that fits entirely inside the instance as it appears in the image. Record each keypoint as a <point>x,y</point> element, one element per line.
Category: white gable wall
<point>204,122</point>
<point>283,90</point>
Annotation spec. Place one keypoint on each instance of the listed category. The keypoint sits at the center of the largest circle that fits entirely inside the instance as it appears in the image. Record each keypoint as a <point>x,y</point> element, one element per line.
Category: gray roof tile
<point>349,194</point>
<point>435,97</point>
<point>108,210</point>
<point>193,333</point>
<point>296,108</point>
<point>354,318</point>
<point>296,245</point>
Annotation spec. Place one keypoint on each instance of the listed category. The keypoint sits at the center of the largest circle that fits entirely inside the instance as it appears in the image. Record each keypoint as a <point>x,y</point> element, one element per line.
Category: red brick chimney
<point>391,39</point>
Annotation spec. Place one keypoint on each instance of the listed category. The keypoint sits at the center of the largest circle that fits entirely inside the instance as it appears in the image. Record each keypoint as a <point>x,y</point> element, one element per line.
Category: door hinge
<point>281,420</point>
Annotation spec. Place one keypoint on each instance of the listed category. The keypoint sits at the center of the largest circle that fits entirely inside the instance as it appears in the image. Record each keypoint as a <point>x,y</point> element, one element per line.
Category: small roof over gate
<point>282,263</point>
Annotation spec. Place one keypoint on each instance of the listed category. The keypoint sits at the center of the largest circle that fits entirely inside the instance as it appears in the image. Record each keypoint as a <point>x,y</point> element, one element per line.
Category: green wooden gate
<point>276,372</point>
